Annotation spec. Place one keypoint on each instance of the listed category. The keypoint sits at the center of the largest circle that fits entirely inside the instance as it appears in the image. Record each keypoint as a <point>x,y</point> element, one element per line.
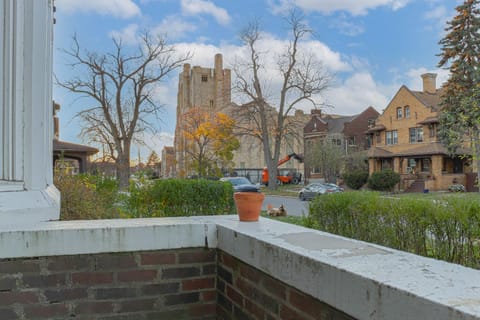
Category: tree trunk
<point>123,170</point>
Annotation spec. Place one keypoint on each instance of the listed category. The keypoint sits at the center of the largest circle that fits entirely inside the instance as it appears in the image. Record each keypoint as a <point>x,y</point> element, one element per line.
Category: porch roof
<point>419,150</point>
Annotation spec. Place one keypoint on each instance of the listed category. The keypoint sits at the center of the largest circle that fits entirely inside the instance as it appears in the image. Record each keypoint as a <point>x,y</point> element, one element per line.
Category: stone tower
<point>206,88</point>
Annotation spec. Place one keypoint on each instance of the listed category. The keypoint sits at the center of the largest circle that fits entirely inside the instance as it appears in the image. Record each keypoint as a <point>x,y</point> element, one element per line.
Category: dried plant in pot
<point>248,201</point>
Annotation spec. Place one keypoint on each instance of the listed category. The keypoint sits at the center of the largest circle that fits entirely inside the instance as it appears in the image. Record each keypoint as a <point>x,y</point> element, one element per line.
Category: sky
<point>369,47</point>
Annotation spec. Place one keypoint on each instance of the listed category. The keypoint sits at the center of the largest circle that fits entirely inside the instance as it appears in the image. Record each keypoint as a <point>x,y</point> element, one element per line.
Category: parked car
<point>241,184</point>
<point>314,189</point>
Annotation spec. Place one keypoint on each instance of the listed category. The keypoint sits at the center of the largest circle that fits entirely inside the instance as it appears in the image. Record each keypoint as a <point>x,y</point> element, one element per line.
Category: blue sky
<point>372,47</point>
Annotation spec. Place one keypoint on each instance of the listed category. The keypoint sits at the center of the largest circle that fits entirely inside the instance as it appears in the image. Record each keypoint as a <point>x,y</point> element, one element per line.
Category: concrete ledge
<point>361,279</point>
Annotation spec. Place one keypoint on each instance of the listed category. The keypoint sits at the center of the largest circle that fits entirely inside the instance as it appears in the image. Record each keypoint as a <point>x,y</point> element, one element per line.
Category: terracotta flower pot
<point>249,205</point>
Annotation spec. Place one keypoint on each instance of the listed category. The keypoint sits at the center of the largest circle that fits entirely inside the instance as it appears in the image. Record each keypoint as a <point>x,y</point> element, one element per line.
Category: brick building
<point>405,139</point>
<point>348,132</point>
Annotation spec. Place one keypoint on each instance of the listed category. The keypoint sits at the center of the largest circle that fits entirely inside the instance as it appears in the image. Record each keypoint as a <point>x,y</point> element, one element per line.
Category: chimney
<point>56,121</point>
<point>429,82</point>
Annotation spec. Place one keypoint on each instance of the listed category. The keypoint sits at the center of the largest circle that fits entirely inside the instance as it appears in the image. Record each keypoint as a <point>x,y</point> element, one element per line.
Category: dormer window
<point>399,113</point>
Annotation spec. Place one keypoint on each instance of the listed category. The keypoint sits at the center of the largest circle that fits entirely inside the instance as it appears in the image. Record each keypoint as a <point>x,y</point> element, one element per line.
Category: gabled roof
<point>431,100</point>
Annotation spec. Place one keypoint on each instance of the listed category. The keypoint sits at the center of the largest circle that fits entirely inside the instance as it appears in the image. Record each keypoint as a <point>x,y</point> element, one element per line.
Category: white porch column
<point>27,194</point>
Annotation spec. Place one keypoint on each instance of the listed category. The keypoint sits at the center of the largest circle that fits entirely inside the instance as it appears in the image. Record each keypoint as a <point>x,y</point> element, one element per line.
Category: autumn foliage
<point>210,141</point>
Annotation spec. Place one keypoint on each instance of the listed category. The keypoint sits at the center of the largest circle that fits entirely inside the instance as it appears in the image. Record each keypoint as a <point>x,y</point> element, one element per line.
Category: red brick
<point>196,256</point>
<point>115,261</point>
<point>198,284</point>
<point>209,295</point>
<point>65,294</point>
<point>68,263</point>
<point>137,275</point>
<point>157,258</point>
<point>203,310</point>
<point>9,297</point>
<point>274,287</point>
<point>183,298</point>
<point>235,296</point>
<point>228,261</point>
<point>46,311</point>
<point>250,273</point>
<point>179,273</point>
<point>44,281</point>
<point>160,288</point>
<point>92,278</point>
<point>19,266</point>
<point>94,307</point>
<point>254,309</point>
<point>143,305</point>
<point>305,303</point>
<point>287,313</point>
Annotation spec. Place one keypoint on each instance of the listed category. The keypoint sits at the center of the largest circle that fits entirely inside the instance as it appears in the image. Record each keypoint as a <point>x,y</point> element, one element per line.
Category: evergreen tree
<point>460,54</point>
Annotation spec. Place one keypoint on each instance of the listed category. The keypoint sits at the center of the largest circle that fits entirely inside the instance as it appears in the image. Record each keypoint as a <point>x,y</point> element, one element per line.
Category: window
<point>432,130</point>
<point>371,123</point>
<point>399,113</point>
<point>351,141</point>
<point>416,135</point>
<point>407,112</point>
<point>204,78</point>
<point>391,137</point>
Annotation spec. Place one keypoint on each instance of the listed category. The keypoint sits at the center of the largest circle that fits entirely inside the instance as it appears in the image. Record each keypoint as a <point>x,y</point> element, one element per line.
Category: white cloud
<point>197,7</point>
<point>346,26</point>
<point>355,94</point>
<point>174,27</point>
<point>128,35</point>
<point>414,77</point>
<point>118,8</point>
<point>354,7</point>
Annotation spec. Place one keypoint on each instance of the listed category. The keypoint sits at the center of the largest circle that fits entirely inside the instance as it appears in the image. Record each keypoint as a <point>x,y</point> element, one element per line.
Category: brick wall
<point>247,293</point>
<point>172,284</point>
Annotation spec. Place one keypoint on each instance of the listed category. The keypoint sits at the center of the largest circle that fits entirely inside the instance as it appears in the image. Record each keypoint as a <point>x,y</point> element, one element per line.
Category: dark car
<point>241,184</point>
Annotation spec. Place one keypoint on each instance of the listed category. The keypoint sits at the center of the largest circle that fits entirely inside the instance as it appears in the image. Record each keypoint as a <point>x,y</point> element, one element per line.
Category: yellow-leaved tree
<point>210,141</point>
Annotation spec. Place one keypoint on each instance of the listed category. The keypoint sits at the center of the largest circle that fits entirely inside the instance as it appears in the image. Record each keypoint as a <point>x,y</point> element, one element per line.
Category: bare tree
<point>264,115</point>
<point>121,85</point>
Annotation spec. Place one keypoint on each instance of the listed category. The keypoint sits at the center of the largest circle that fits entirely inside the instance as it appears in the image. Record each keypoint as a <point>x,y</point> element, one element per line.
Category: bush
<point>446,229</point>
<point>175,197</point>
<point>383,180</point>
<point>86,196</point>
<point>355,179</point>
<point>456,188</point>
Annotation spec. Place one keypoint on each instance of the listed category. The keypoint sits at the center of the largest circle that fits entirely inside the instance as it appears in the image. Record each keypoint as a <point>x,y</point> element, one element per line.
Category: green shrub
<point>355,179</point>
<point>178,197</point>
<point>383,180</point>
<point>86,196</point>
<point>447,228</point>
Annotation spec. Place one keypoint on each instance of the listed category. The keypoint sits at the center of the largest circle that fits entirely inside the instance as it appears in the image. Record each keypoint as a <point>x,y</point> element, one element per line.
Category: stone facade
<point>168,162</point>
<point>405,139</point>
<point>205,88</point>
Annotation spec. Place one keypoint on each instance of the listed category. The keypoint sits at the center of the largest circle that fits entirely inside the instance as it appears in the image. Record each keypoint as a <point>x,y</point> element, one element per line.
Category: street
<point>293,205</point>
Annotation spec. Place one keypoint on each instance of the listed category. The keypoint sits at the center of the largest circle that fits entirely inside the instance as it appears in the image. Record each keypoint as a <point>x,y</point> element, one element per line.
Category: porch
<point>219,268</point>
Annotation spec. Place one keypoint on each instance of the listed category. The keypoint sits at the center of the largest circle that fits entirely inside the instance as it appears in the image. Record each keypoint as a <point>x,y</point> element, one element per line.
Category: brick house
<point>348,132</point>
<point>405,139</point>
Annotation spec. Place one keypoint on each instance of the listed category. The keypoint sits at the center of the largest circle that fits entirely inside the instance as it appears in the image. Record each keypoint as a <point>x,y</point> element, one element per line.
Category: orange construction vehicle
<point>291,177</point>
